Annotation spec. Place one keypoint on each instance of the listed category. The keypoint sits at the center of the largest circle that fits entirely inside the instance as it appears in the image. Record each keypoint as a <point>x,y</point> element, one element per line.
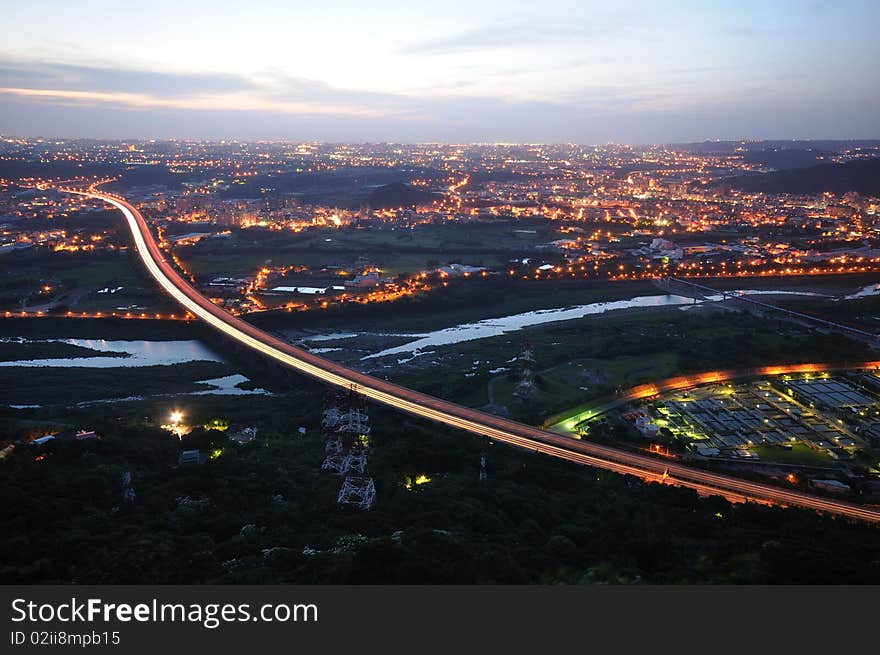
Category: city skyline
<point>562,73</point>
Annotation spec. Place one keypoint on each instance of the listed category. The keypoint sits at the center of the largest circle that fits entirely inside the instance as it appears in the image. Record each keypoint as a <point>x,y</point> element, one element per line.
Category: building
<point>834,486</point>
<point>368,281</point>
<point>193,457</point>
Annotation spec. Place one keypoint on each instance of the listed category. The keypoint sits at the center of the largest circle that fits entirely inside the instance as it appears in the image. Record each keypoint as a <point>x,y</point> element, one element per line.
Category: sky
<point>454,71</point>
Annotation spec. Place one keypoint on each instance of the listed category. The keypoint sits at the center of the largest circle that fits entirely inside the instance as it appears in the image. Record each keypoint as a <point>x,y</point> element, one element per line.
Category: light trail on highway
<point>454,415</point>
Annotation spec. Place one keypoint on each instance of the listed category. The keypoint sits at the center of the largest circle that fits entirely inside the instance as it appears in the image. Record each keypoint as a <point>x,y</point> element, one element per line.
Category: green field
<point>828,284</point>
<point>39,386</point>
<point>76,278</point>
<point>463,301</point>
<point>799,454</point>
<point>574,382</point>
<point>99,273</point>
<point>48,350</point>
<point>100,328</point>
<point>395,251</point>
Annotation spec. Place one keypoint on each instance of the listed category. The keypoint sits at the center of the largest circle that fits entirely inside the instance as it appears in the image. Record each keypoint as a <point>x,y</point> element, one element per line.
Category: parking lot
<point>826,418</point>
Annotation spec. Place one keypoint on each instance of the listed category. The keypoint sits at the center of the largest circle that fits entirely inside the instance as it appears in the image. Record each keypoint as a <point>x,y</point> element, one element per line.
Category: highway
<point>453,415</point>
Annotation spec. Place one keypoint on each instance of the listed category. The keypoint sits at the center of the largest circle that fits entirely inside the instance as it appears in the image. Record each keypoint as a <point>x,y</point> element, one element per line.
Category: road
<point>453,415</point>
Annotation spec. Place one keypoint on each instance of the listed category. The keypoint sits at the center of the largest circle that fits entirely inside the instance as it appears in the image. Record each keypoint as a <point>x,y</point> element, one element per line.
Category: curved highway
<point>451,414</point>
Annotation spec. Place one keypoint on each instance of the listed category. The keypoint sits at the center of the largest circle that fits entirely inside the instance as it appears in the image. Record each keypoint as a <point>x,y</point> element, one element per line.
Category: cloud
<point>625,99</point>
<point>454,120</point>
<point>76,99</point>
<point>192,102</point>
<point>286,88</point>
<point>502,36</point>
<point>65,76</point>
<point>78,84</point>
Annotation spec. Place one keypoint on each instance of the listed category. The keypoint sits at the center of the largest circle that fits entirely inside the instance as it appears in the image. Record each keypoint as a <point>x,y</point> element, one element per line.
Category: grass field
<point>243,264</point>
<point>77,277</point>
<point>829,284</point>
<point>100,328</point>
<point>49,386</point>
<point>579,380</point>
<point>70,385</point>
<point>10,352</point>
<point>463,301</point>
<point>799,454</point>
<point>395,251</point>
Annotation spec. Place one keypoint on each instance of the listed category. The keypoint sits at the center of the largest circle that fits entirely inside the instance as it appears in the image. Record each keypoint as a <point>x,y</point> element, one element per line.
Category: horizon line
<point>14,137</point>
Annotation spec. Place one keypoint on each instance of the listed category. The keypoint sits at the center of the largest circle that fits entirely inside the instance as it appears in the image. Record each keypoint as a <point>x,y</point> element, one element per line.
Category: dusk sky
<point>455,71</point>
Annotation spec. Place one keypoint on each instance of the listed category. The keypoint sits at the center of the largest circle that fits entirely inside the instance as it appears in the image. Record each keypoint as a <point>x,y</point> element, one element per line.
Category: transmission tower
<point>334,447</point>
<point>525,388</point>
<point>356,461</point>
<point>331,418</point>
<point>358,491</point>
<point>346,428</point>
<point>335,462</point>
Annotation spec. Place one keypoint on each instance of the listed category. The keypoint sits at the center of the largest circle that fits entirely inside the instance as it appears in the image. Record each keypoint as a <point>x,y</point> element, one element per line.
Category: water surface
<point>139,353</point>
<point>493,327</point>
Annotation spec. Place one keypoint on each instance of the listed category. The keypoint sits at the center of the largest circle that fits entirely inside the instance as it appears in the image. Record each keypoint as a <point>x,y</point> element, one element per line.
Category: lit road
<point>457,416</point>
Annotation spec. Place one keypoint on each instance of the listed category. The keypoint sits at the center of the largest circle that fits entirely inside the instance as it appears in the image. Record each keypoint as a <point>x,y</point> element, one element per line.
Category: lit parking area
<point>819,419</point>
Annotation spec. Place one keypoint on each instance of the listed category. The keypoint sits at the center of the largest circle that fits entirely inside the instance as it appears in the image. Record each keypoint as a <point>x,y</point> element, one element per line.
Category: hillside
<point>397,195</point>
<point>860,176</point>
